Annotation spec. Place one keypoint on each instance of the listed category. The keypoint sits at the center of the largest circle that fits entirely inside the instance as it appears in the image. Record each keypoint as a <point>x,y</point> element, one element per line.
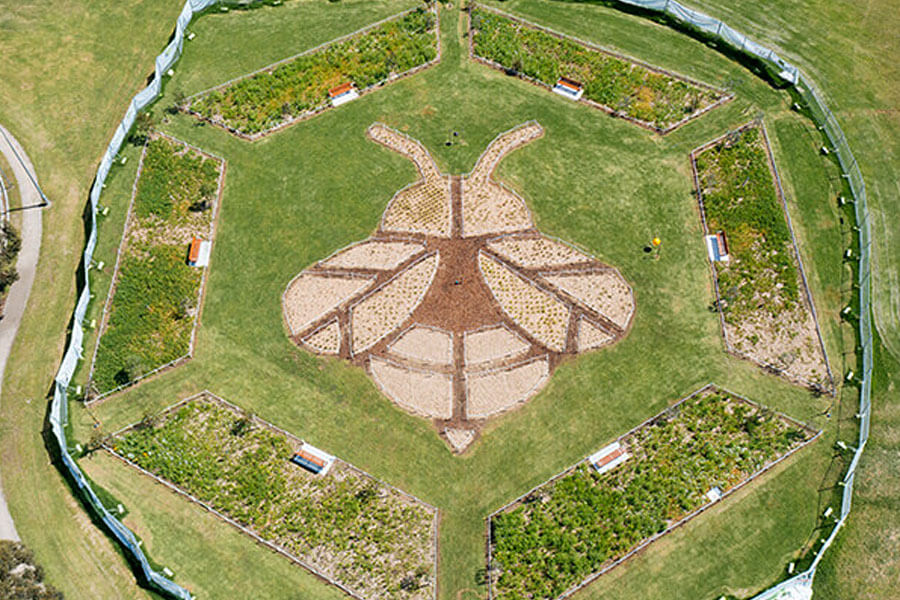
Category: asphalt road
<point>26,180</point>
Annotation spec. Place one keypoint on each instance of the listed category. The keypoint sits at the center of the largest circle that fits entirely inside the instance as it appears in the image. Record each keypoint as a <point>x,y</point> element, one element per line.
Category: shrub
<point>265,100</point>
<point>574,525</point>
<point>654,98</point>
<point>155,292</point>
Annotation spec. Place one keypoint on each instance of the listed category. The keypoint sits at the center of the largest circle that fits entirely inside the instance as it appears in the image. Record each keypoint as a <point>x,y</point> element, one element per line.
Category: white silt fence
<point>702,22</point>
<point>75,348</point>
<point>800,584</point>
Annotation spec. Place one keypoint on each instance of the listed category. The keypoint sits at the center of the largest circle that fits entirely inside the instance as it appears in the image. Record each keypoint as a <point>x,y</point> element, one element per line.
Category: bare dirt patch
<point>488,207</point>
<point>310,296</point>
<point>544,316</point>
<point>603,291</point>
<point>386,308</point>
<point>537,252</point>
<point>326,340</point>
<point>425,344</point>
<point>424,206</point>
<point>459,438</point>
<point>493,344</point>
<point>493,392</point>
<point>373,255</point>
<point>423,393</point>
<point>590,336</point>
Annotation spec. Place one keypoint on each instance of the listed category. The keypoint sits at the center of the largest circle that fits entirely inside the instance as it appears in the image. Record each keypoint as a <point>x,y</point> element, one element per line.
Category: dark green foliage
<point>172,177</point>
<point>20,577</point>
<point>376,536</point>
<point>739,198</point>
<point>144,123</point>
<point>267,99</point>
<point>10,245</point>
<point>571,527</point>
<point>654,98</point>
<point>152,312</point>
<point>146,328</point>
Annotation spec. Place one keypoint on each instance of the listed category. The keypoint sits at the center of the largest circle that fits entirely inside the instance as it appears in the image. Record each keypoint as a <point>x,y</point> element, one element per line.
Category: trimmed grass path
<point>20,290</point>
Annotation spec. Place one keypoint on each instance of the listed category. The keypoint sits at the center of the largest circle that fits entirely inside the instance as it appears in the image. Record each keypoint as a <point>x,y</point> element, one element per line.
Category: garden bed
<point>366,537</point>
<point>761,292</point>
<point>646,95</point>
<point>154,301</point>
<point>458,308</point>
<point>565,533</point>
<point>298,87</point>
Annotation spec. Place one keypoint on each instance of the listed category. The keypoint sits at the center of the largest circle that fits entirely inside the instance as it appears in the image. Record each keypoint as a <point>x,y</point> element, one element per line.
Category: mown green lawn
<point>596,181</point>
<point>602,183</point>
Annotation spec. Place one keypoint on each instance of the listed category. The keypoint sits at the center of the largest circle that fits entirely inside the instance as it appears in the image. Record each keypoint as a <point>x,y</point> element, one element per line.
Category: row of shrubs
<point>347,525</point>
<point>263,101</point>
<point>571,527</point>
<point>740,198</point>
<point>654,98</point>
<point>152,312</point>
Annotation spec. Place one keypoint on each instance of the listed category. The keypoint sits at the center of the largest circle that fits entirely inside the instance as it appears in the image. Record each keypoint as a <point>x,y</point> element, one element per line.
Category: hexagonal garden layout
<point>449,282</point>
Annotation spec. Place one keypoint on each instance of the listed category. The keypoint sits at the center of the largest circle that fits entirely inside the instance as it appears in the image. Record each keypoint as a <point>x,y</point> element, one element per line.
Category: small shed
<point>568,88</point>
<point>717,247</point>
<point>609,457</point>
<point>313,460</point>
<point>198,252</point>
<point>342,94</point>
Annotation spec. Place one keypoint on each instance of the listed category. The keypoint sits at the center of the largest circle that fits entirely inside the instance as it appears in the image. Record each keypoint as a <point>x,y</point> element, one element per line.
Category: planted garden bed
<point>153,304</point>
<point>767,312</point>
<point>648,96</point>
<point>365,536</point>
<point>566,532</point>
<point>299,86</point>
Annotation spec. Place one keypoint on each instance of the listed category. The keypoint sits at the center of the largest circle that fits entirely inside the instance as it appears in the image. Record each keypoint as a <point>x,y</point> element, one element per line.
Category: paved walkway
<point>26,182</point>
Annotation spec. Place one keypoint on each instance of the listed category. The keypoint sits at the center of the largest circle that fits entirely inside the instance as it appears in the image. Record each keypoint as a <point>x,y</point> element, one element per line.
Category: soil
<point>425,344</point>
<point>442,337</point>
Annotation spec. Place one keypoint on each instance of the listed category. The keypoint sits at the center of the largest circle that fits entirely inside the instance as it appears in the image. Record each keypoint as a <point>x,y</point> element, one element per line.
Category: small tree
<point>10,244</point>
<point>96,441</point>
<point>179,99</point>
<point>144,123</point>
<point>20,576</point>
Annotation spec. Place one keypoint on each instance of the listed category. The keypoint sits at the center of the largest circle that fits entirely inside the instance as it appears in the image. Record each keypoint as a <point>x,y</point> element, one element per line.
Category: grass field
<point>636,186</point>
